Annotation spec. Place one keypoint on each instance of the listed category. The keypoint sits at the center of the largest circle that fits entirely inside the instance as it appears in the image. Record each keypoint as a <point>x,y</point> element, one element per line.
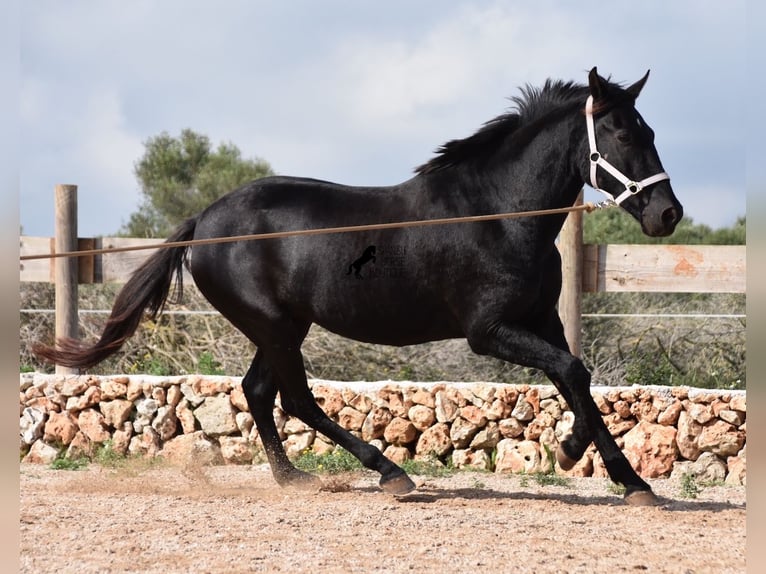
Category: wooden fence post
<point>570,300</point>
<point>66,267</point>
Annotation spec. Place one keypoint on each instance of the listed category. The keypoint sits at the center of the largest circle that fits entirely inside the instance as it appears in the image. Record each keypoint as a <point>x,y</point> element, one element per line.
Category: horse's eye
<point>623,137</point>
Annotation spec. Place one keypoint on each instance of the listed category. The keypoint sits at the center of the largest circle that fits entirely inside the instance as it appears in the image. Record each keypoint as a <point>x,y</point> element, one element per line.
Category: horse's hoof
<point>642,498</point>
<point>565,462</point>
<point>400,485</point>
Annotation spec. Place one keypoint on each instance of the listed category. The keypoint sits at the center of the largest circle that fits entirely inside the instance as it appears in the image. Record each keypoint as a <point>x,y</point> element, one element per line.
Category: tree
<point>180,176</point>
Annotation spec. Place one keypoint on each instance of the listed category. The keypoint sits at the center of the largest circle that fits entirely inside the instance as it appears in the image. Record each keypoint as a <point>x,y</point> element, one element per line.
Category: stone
<point>121,439</point>
<point>536,427</point>
<point>61,428</point>
<point>244,422</point>
<point>421,416</point>
<point>92,424</point>
<point>473,415</point>
<point>91,397</point>
<point>191,395</point>
<point>622,408</point>
<point>41,453</point>
<point>351,419</point>
<point>645,410</point>
<point>111,389</point>
<point>737,467</point>
<point>297,444</point>
<point>686,438</point>
<point>486,438</point>
<point>294,425</point>
<point>508,395</point>
<point>116,412</point>
<point>186,417</point>
<point>466,458</point>
<point>135,389</point>
<point>651,449</point>
<point>400,432</point>
<point>80,447</point>
<point>583,467</point>
<point>552,407</point>
<point>397,454</point>
<point>174,395</point>
<point>424,398</point>
<point>517,456</point>
<point>604,406</point>
<point>194,448</point>
<point>165,422</point>
<point>375,423</point>
<point>564,426</point>
<point>445,409</point>
<point>721,438</point>
<point>738,402</point>
<point>31,424</point>
<point>669,416</point>
<point>160,395</point>
<point>617,425</point>
<point>145,444</point>
<point>236,450</point>
<point>532,396</point>
<point>73,387</point>
<point>216,416</point>
<point>523,411</point>
<point>462,432</point>
<point>393,397</point>
<point>329,399</point>
<point>360,402</point>
<point>510,428</point>
<point>701,413</point>
<point>210,386</point>
<point>732,417</point>
<point>434,441</point>
<point>709,468</point>
<point>497,410</point>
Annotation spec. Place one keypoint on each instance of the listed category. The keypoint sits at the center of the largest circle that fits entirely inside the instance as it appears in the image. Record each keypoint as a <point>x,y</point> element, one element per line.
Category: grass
<point>689,486</point>
<point>337,461</point>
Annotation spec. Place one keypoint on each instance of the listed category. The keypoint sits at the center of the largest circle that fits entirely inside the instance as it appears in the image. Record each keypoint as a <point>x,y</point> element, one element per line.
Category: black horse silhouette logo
<point>367,256</point>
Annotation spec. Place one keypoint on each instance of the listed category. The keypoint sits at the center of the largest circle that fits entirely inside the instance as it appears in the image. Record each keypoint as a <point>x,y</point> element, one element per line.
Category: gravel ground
<point>235,519</point>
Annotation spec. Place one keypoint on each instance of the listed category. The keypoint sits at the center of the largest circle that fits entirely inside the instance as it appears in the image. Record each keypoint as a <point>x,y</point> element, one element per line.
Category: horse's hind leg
<point>260,387</point>
<point>298,401</point>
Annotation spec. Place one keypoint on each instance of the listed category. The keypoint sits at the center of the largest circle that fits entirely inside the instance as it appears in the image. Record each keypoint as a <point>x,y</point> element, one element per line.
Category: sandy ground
<point>235,519</point>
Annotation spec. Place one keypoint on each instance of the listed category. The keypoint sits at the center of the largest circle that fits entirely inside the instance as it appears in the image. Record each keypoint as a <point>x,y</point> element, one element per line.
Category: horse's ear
<point>598,85</point>
<point>636,88</point>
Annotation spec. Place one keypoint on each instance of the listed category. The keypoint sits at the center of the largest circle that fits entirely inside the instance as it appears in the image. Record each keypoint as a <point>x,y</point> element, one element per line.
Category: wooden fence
<point>585,268</point>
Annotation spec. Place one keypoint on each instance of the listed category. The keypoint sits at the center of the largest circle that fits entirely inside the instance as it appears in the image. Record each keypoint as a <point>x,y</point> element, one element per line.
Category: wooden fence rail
<point>600,268</point>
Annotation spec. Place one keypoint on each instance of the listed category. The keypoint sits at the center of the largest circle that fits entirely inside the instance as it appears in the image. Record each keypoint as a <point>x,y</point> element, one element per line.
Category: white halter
<point>596,159</point>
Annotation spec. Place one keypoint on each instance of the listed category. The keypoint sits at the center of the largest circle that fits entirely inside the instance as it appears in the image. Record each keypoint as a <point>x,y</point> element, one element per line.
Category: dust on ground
<point>232,519</point>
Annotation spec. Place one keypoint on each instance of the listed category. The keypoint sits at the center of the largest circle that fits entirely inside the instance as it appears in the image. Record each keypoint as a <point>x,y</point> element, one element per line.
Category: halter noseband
<point>596,159</point>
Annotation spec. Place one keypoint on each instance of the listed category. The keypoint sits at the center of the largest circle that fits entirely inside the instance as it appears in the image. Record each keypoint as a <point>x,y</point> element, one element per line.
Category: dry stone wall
<point>495,427</point>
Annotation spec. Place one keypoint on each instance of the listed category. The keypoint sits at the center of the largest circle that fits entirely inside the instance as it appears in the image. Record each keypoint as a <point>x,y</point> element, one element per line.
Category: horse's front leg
<point>518,345</point>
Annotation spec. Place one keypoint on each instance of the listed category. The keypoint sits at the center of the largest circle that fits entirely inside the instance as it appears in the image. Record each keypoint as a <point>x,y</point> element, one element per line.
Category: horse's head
<point>622,160</point>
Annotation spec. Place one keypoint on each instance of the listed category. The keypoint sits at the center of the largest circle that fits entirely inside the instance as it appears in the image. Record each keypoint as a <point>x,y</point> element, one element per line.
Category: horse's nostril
<point>670,217</point>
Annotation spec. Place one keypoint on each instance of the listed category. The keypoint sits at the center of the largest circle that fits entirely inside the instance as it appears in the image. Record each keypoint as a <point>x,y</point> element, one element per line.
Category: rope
<point>588,207</point>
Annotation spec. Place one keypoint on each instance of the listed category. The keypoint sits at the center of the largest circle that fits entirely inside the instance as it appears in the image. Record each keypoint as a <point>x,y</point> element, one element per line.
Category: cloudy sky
<point>356,91</point>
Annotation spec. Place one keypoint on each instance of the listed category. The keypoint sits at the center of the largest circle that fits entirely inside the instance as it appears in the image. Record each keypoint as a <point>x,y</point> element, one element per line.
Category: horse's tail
<point>148,287</point>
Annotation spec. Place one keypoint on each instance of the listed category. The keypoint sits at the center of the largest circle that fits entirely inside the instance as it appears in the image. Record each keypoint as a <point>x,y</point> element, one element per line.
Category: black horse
<point>494,283</point>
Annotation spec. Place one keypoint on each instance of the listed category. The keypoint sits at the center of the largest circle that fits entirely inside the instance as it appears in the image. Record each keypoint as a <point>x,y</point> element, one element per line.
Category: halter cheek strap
<point>596,160</point>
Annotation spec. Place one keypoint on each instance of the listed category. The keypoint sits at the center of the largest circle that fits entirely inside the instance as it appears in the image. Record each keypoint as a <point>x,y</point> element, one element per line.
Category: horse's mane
<point>533,108</point>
